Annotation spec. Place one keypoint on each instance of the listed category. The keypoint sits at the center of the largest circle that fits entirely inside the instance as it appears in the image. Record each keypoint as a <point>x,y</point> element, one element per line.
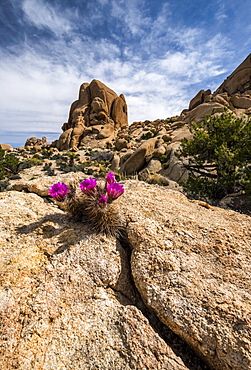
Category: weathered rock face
<point>171,131</point>
<point>191,264</point>
<point>66,298</point>
<point>239,80</point>
<point>198,114</point>
<point>6,147</point>
<point>137,160</point>
<point>98,110</point>
<point>243,102</point>
<point>199,98</point>
<point>233,93</point>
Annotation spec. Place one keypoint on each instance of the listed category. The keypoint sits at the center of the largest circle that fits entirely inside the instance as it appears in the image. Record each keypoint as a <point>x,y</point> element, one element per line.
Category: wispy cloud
<point>42,14</point>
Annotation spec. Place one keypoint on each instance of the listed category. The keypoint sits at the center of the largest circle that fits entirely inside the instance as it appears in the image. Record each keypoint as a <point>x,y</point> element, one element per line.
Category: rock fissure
<point>181,348</point>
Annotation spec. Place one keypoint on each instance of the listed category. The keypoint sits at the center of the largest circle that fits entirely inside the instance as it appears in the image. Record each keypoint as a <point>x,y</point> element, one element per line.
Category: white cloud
<point>221,13</point>
<point>131,15</point>
<point>44,15</point>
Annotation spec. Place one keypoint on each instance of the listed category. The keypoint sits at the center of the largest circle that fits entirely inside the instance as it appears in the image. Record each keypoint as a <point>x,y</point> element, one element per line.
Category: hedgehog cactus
<point>92,202</point>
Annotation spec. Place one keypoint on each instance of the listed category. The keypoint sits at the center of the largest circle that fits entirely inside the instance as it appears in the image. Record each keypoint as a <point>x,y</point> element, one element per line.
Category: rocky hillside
<point>171,292</point>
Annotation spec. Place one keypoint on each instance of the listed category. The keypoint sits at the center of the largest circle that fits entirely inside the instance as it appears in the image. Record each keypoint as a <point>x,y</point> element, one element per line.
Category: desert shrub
<point>28,163</point>
<point>8,164</point>
<point>47,153</point>
<point>47,168</point>
<point>147,135</point>
<point>4,184</point>
<point>219,156</point>
<point>56,156</point>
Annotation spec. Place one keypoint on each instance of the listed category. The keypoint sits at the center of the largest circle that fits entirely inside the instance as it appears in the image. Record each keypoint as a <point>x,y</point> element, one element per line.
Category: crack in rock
<point>129,291</point>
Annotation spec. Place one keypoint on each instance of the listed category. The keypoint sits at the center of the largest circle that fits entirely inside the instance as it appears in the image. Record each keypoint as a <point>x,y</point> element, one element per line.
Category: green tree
<point>218,156</point>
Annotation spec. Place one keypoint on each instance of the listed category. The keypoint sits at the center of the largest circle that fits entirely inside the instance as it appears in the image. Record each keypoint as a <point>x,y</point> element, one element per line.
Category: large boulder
<point>242,102</point>
<point>119,112</point>
<point>199,98</point>
<point>7,147</point>
<point>66,298</point>
<point>176,170</point>
<point>138,159</point>
<point>34,142</point>
<point>191,265</point>
<point>198,114</point>
<point>239,80</point>
<point>97,105</point>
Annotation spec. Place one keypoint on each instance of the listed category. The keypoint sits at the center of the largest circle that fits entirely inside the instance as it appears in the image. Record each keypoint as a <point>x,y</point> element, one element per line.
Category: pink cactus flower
<point>114,190</point>
<point>58,191</point>
<point>110,177</point>
<point>88,185</point>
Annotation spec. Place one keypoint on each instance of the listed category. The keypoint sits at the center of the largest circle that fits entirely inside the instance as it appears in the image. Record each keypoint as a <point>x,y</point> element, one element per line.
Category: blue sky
<point>159,54</point>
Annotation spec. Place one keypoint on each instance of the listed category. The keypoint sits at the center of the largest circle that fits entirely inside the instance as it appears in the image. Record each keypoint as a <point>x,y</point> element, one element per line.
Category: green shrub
<point>8,164</point>
<point>147,135</point>
<point>219,156</point>
<point>163,158</point>
<point>28,163</point>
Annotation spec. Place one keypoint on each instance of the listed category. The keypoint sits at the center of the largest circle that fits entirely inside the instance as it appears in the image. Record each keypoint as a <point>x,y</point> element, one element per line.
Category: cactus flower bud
<point>102,201</point>
<point>110,177</point>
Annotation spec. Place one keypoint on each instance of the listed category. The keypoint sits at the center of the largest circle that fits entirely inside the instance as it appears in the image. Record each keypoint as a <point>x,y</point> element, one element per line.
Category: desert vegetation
<point>219,157</point>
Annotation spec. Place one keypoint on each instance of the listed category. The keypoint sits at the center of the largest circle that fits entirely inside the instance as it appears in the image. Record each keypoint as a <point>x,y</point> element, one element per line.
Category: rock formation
<point>6,147</point>
<point>239,81</point>
<point>36,144</point>
<point>99,117</point>
<point>99,112</point>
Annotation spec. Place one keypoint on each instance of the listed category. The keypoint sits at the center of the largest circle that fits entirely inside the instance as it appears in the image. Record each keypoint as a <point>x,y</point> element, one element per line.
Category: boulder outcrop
<point>99,119</point>
<point>68,300</point>
<point>36,144</point>
<point>138,159</point>
<point>71,298</point>
<point>191,265</point>
<point>98,110</point>
<point>239,80</point>
<point>6,147</point>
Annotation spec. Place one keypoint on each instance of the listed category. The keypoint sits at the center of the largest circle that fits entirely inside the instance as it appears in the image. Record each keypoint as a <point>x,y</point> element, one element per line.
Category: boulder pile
<point>96,116</point>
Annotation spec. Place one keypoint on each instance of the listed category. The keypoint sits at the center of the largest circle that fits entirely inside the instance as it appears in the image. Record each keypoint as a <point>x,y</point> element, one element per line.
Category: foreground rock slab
<point>65,297</point>
<point>191,264</point>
